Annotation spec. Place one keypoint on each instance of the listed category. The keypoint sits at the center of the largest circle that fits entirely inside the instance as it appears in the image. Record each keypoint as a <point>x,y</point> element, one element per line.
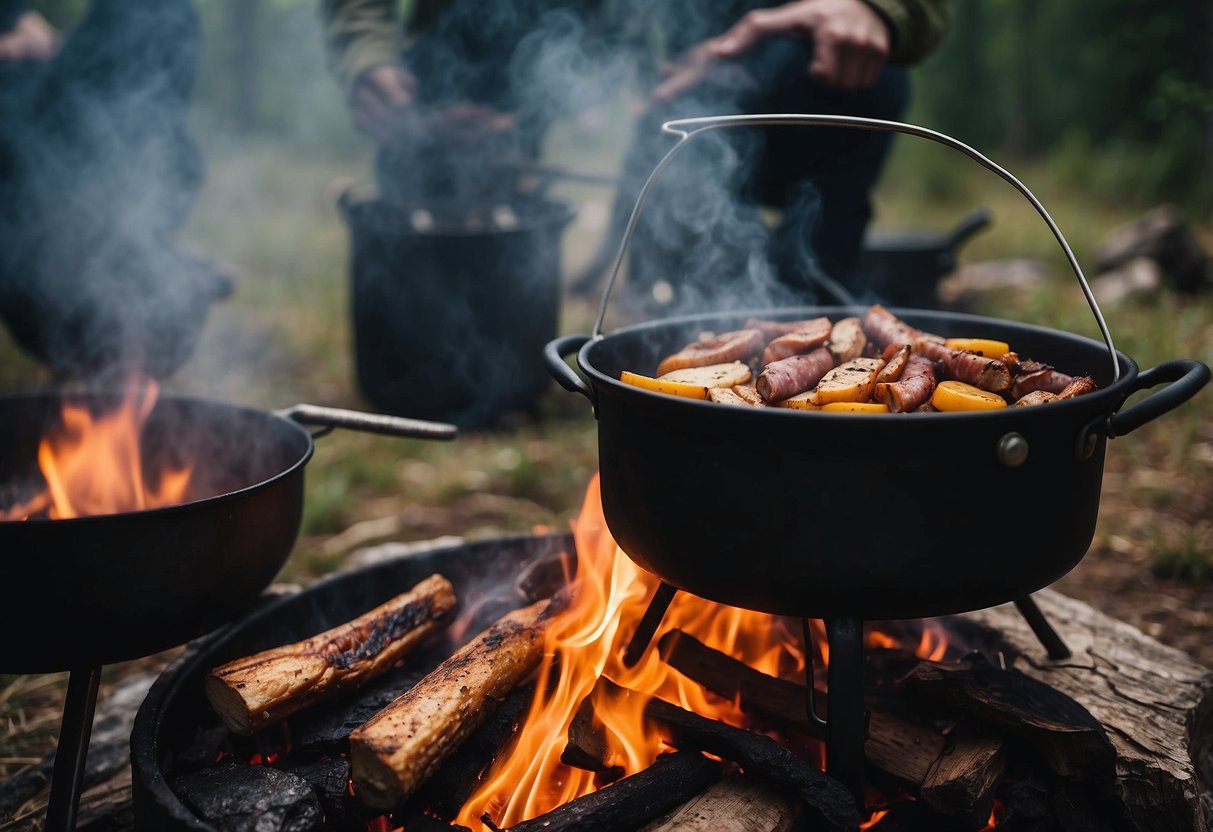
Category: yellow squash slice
<point>692,382</point>
<point>849,382</point>
<point>952,395</point>
<point>987,347</point>
<point>855,407</point>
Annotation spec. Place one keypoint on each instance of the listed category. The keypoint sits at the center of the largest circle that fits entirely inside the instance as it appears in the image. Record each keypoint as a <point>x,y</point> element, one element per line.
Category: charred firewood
<point>586,747</point>
<point>900,750</point>
<point>1064,733</point>
<point>237,797</point>
<point>827,800</point>
<point>330,780</point>
<point>327,729</point>
<point>962,782</point>
<point>404,744</point>
<point>542,578</point>
<point>253,692</point>
<point>633,801</point>
<point>445,793</point>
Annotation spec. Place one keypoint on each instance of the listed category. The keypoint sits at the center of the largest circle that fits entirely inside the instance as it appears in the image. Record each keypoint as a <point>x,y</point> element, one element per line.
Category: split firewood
<point>256,691</point>
<point>402,745</point>
<point>964,778</point>
<point>734,804</point>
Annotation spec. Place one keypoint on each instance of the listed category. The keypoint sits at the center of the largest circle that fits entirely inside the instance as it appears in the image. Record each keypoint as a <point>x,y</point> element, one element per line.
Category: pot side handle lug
<point>555,352</point>
<point>333,417</point>
<point>1184,377</point>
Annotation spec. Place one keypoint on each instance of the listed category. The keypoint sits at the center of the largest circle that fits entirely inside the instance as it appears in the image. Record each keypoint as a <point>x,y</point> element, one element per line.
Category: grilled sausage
<point>773,329</point>
<point>847,340</point>
<point>810,336</point>
<point>739,345</point>
<point>1045,378</point>
<point>794,374</point>
<point>885,328</point>
<point>912,390</point>
<point>989,374</point>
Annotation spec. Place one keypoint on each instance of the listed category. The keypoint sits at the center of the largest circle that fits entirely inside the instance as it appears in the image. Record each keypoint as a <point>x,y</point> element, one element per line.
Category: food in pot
<point>874,364</point>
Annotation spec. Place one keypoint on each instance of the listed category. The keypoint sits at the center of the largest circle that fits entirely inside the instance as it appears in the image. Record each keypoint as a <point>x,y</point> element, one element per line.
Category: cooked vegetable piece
<point>750,394</point>
<point>739,345</point>
<point>855,407</point>
<point>726,395</point>
<point>847,340</point>
<point>983,346</point>
<point>799,402</point>
<point>1077,387</point>
<point>895,359</point>
<point>849,382</point>
<point>1035,397</point>
<point>952,395</point>
<point>692,382</point>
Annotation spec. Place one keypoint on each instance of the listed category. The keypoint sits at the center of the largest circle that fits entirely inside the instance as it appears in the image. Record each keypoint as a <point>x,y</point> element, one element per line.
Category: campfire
<point>544,722</point>
<point>92,463</point>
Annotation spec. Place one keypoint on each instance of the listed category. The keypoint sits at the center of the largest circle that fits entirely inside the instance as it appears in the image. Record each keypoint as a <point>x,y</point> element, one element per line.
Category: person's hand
<point>382,102</point>
<point>850,44</point>
<point>31,39</point>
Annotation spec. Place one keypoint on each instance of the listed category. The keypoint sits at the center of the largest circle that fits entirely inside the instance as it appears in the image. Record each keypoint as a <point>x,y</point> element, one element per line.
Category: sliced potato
<point>983,346</point>
<point>952,395</point>
<point>849,382</point>
<point>855,407</point>
<point>847,340</point>
<point>728,395</point>
<point>691,382</point>
<point>799,402</point>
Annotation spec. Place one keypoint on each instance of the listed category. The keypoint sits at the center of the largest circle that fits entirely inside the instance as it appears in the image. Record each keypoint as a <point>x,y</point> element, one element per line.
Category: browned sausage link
<point>738,345</point>
<point>810,336</point>
<point>987,373</point>
<point>773,329</point>
<point>885,328</point>
<point>912,390</point>
<point>794,374</point>
<point>1047,379</point>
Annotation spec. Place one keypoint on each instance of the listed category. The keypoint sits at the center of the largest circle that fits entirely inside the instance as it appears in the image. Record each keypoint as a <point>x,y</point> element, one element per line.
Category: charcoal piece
<point>205,747</point>
<point>828,801</point>
<point>327,728</point>
<point>1026,807</point>
<point>237,797</point>
<point>631,802</point>
<point>330,779</point>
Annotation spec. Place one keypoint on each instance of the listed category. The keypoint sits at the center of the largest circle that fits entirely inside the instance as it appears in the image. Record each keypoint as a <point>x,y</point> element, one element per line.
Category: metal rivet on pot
<point>1012,450</point>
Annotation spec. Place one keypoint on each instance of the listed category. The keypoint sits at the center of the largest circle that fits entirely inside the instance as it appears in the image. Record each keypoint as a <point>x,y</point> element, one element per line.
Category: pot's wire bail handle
<point>333,417</point>
<point>687,128</point>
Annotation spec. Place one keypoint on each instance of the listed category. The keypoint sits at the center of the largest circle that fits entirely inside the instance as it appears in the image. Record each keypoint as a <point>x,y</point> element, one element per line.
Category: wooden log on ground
<point>633,801</point>
<point>829,802</point>
<point>963,781</point>
<point>256,691</point>
<point>900,750</point>
<point>734,804</point>
<point>1154,702</point>
<point>402,745</point>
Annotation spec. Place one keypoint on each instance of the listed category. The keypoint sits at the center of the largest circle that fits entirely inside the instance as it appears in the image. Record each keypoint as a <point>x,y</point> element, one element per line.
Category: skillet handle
<point>1185,378</point>
<point>333,417</point>
<point>554,353</point>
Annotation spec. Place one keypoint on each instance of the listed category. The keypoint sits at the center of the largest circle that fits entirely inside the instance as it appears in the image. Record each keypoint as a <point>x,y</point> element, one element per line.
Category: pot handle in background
<point>969,225</point>
<point>555,352</point>
<point>333,417</point>
<point>687,128</point>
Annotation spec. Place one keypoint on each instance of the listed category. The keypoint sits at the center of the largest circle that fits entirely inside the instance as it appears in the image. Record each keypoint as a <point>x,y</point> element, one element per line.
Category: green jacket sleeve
<point>359,34</point>
<point>917,26</point>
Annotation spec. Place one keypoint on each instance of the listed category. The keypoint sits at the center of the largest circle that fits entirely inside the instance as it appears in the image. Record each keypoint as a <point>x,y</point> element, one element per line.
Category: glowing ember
<point>91,463</point>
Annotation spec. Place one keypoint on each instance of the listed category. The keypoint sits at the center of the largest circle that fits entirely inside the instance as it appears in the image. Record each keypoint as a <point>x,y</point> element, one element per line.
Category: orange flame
<point>583,643</point>
<point>92,464</point>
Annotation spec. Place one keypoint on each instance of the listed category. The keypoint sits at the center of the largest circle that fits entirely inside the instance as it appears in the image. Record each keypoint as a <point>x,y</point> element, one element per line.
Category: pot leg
<point>1049,639</point>
<point>846,719</point>
<point>72,750</point>
<point>649,623</point>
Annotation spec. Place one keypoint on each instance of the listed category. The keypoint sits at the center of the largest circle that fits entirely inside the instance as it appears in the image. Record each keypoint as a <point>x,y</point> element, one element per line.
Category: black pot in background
<point>452,307</point>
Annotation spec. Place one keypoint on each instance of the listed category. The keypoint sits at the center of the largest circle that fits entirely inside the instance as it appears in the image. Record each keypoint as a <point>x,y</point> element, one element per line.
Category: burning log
<point>901,750</point>
<point>404,744</point>
<point>251,693</point>
<point>830,802</point>
<point>587,746</point>
<point>633,801</point>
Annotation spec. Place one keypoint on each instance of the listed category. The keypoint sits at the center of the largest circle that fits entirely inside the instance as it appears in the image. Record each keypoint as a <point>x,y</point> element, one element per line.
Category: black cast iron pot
<point>90,591</point>
<point>452,302</point>
<point>826,515</point>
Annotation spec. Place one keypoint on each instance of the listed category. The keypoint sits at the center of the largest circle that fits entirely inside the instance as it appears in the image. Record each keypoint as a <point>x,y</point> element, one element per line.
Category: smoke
<point>100,175</point>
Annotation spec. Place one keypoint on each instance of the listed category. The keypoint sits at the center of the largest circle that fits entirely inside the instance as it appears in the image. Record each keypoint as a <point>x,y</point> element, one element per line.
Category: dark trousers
<point>706,233</point>
<point>97,176</point>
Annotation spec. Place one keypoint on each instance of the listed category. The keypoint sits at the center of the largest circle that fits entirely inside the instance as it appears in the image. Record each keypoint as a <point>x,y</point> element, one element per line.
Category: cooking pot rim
<point>1110,394</point>
<point>193,403</point>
